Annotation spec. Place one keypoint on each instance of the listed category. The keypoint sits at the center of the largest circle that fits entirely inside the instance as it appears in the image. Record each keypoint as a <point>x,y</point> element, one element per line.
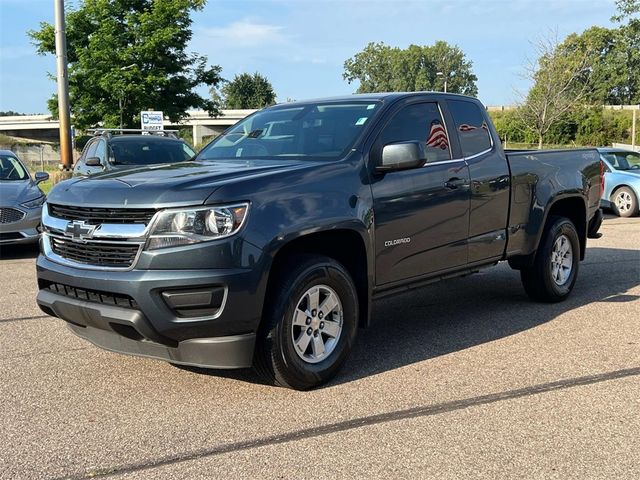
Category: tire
<point>288,351</point>
<point>546,280</point>
<point>624,202</point>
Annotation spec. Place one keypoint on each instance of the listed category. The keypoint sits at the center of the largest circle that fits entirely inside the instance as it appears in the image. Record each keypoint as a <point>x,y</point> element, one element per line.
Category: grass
<point>47,185</point>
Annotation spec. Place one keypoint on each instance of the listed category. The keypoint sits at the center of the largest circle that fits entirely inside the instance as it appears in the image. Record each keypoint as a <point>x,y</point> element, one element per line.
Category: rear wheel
<point>310,324</point>
<point>555,268</point>
<point>624,202</point>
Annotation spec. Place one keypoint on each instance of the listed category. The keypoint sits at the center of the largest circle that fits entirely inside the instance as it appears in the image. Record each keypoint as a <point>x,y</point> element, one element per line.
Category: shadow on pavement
<point>461,313</point>
<point>18,252</point>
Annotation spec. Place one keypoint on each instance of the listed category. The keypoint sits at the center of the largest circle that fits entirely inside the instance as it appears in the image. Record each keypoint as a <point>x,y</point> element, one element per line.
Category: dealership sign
<point>151,121</point>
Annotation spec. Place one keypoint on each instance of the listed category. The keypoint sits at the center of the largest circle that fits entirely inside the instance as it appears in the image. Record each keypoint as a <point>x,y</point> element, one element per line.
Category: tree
<point>381,68</point>
<point>626,10</point>
<point>130,55</point>
<point>629,47</point>
<point>248,91</point>
<point>556,89</point>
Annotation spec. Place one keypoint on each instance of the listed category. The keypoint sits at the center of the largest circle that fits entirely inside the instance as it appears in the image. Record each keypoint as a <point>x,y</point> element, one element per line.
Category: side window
<point>91,150</point>
<point>419,122</point>
<point>472,128</point>
<point>101,151</point>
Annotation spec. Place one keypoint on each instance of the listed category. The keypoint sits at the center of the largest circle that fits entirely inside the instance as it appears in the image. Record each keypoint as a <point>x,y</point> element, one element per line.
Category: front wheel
<point>555,268</point>
<point>624,202</point>
<point>310,324</point>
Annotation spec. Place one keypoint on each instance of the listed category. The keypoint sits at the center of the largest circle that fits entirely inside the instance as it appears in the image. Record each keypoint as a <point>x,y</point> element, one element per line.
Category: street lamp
<point>446,77</point>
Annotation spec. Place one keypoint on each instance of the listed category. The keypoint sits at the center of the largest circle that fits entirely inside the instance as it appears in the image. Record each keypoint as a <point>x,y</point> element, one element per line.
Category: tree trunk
<point>540,141</point>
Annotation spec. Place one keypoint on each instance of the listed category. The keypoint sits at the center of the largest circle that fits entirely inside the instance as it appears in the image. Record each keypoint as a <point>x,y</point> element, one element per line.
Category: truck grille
<point>95,296</point>
<point>97,216</point>
<point>100,254</point>
<point>10,215</point>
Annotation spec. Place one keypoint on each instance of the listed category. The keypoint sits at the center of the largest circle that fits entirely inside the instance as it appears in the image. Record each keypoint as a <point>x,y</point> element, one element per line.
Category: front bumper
<point>118,329</point>
<point>22,231</point>
<point>130,312</point>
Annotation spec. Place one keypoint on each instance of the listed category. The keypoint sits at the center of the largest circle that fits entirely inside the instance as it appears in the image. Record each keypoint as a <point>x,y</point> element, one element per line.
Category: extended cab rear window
<point>419,122</point>
<point>472,128</point>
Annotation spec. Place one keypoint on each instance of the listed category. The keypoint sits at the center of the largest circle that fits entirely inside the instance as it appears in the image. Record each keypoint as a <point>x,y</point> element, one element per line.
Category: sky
<point>301,45</point>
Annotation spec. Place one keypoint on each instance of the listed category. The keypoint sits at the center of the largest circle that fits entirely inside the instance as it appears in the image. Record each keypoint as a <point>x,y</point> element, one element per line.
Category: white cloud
<point>245,33</point>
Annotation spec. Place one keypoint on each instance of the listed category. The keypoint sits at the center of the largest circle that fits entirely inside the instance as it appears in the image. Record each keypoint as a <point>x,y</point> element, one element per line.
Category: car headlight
<point>35,203</point>
<point>194,225</point>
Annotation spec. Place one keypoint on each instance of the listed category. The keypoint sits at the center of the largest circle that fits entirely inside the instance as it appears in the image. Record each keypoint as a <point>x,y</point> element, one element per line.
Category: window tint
<point>11,169</point>
<point>142,150</point>
<point>623,160</point>
<point>419,122</point>
<point>472,128</point>
<point>91,149</point>
<point>101,151</point>
<point>314,130</point>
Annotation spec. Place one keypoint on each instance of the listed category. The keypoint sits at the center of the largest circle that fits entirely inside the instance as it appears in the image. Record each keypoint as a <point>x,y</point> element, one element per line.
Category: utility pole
<point>66,157</point>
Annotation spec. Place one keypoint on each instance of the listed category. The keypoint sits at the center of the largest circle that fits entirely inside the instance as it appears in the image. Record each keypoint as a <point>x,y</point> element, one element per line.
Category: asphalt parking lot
<point>466,378</point>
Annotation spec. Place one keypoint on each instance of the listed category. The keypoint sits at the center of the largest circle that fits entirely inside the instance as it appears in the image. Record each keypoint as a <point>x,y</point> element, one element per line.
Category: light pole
<point>446,77</point>
<point>121,98</point>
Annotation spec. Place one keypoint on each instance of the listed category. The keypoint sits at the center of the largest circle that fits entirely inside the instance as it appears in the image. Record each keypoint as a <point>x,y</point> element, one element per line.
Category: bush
<point>585,126</point>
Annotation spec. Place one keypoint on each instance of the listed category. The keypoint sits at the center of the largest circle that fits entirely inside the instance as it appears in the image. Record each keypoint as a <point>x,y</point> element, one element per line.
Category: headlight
<point>194,225</point>
<point>35,203</point>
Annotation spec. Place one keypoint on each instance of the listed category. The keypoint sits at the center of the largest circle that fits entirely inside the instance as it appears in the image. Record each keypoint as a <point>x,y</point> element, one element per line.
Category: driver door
<point>421,214</point>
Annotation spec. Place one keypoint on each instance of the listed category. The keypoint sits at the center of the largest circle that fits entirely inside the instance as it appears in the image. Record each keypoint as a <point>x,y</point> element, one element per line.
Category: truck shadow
<point>469,311</point>
<point>462,313</point>
<point>19,252</point>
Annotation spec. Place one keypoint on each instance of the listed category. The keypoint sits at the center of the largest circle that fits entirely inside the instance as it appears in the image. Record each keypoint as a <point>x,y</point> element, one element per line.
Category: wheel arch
<point>344,245</point>
<point>575,209</point>
<point>630,186</point>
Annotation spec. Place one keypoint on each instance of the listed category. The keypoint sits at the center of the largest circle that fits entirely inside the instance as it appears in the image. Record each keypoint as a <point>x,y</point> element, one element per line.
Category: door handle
<point>454,183</point>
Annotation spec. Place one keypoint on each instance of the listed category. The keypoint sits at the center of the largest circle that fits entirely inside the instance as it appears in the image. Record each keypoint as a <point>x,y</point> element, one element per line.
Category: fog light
<point>200,302</point>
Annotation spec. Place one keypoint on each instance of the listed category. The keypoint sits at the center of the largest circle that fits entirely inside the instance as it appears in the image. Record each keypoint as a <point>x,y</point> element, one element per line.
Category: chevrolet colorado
<point>269,247</point>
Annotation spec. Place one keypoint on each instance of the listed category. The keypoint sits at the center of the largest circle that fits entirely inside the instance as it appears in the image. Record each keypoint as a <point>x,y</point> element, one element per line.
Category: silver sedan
<point>20,200</point>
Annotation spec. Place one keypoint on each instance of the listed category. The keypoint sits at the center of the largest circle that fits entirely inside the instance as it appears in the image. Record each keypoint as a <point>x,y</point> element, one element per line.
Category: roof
<point>614,150</point>
<point>374,97</point>
<point>147,138</point>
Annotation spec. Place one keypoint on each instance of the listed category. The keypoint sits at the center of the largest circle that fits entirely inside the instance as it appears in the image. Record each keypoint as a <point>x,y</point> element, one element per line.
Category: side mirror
<point>40,177</point>
<point>93,162</point>
<point>402,156</point>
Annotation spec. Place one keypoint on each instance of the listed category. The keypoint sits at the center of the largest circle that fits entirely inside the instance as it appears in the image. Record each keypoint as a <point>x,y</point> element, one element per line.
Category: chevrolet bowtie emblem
<point>79,230</point>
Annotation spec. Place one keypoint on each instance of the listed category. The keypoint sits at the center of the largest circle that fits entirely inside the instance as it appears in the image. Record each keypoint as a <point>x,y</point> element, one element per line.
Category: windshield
<point>623,160</point>
<point>320,130</point>
<point>12,169</point>
<point>142,151</point>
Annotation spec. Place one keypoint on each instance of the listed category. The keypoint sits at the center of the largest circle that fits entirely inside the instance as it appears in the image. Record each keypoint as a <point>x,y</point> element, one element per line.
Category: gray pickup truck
<point>268,248</point>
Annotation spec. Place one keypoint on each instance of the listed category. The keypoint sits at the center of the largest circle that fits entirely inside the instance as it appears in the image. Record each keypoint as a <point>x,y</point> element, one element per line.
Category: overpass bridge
<point>43,127</point>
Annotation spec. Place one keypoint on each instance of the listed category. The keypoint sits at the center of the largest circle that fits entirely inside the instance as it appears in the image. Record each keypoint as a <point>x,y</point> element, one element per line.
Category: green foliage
<point>130,55</point>
<point>612,70</point>
<point>381,68</point>
<point>248,91</point>
<point>626,9</point>
<point>81,141</point>
<point>597,126</point>
<point>586,126</point>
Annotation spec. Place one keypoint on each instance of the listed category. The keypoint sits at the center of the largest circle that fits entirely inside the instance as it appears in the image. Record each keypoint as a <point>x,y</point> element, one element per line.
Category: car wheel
<point>555,268</point>
<point>624,202</point>
<point>310,323</point>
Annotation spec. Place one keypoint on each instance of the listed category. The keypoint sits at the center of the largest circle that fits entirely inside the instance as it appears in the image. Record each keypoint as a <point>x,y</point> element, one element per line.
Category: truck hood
<point>177,184</point>
<point>15,192</point>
